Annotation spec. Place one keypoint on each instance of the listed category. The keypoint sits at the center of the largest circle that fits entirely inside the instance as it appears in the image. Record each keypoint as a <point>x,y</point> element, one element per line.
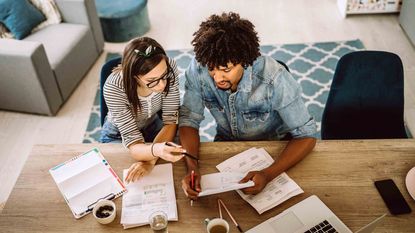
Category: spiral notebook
<point>86,179</point>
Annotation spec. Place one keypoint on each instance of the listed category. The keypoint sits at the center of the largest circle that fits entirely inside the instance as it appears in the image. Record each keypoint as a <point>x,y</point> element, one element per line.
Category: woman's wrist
<point>157,150</point>
<point>152,150</point>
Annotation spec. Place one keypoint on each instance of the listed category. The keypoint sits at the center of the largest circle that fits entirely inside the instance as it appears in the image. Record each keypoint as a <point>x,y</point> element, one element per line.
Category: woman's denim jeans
<point>111,134</point>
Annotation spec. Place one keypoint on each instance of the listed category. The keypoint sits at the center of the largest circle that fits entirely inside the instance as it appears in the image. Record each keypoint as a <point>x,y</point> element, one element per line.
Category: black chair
<point>366,98</point>
<point>105,72</point>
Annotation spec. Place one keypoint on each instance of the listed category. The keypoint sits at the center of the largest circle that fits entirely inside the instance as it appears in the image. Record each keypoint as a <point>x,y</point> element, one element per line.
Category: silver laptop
<point>309,216</point>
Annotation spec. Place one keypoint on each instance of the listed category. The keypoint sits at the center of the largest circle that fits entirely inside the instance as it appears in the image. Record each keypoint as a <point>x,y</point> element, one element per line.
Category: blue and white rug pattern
<point>311,64</point>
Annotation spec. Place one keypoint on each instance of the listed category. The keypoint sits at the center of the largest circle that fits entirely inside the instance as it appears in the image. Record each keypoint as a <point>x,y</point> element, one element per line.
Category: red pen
<point>192,180</point>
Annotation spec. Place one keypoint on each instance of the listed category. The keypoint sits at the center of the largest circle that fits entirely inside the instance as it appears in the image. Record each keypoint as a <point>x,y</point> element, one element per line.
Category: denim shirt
<point>266,105</point>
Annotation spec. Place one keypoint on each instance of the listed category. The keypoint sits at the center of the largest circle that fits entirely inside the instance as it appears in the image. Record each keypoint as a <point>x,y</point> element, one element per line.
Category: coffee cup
<point>217,225</point>
<point>104,211</point>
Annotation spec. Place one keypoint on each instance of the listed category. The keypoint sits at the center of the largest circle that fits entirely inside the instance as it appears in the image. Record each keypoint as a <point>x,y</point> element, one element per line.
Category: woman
<point>142,95</point>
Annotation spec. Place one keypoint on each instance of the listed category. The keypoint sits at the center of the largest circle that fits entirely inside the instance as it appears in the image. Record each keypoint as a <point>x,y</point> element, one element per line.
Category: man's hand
<point>259,178</point>
<point>138,170</point>
<point>187,182</point>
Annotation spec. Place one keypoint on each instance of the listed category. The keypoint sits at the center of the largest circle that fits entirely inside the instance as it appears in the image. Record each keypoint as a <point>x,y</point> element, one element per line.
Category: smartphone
<point>392,197</point>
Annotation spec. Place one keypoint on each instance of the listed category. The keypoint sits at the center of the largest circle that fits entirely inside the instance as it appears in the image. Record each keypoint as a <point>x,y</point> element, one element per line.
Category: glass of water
<point>158,222</point>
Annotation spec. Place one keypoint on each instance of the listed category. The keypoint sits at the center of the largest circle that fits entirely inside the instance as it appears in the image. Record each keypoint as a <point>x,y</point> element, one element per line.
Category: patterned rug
<point>311,64</point>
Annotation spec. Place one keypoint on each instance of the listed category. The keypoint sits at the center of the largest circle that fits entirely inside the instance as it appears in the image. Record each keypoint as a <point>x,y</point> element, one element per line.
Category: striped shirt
<point>120,111</point>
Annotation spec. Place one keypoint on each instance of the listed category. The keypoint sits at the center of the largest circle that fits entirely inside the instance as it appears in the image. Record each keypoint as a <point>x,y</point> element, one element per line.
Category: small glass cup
<point>158,222</point>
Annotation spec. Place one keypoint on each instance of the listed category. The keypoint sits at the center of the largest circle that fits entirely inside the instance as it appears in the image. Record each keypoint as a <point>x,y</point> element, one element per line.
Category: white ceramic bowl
<point>410,182</point>
<point>108,219</point>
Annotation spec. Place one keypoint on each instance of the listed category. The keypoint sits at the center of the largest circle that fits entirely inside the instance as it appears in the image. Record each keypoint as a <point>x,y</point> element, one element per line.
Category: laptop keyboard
<point>323,227</point>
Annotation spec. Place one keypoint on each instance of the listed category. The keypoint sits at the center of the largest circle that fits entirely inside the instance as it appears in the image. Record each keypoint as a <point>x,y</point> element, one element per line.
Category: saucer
<point>410,182</point>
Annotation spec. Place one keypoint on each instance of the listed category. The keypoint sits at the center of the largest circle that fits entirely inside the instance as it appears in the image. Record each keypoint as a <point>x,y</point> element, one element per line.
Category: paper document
<point>222,182</point>
<point>85,179</point>
<point>151,193</point>
<point>277,191</point>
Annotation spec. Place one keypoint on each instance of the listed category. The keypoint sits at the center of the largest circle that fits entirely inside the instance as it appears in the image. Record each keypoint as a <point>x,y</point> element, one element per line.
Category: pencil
<point>230,215</point>
<point>220,209</point>
<point>192,180</point>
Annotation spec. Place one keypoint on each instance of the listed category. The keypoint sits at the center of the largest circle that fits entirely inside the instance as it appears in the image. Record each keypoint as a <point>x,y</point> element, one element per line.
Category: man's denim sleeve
<point>289,104</point>
<point>192,109</point>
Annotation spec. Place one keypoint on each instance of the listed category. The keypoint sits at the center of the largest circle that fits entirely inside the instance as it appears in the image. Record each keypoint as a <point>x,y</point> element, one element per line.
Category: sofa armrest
<point>27,80</point>
<point>83,12</point>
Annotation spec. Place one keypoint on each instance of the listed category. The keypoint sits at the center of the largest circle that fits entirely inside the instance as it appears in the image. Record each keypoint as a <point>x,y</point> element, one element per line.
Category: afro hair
<point>226,38</point>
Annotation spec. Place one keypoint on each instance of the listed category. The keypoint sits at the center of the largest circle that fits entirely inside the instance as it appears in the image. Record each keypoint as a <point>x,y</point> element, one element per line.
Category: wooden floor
<point>172,24</point>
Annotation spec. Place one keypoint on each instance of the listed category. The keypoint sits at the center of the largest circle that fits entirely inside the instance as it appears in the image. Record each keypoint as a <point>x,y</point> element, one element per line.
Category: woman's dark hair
<point>140,56</point>
<point>226,38</point>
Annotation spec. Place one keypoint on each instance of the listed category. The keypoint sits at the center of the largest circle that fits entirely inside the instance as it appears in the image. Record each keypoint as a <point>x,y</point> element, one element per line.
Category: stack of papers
<point>153,192</point>
<point>222,182</point>
<point>276,192</point>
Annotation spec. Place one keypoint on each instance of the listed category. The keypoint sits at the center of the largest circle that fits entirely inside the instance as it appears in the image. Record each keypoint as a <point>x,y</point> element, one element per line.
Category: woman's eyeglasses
<point>155,82</point>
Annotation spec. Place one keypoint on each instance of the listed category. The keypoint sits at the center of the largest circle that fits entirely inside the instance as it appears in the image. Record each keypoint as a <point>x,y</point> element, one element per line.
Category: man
<point>251,97</point>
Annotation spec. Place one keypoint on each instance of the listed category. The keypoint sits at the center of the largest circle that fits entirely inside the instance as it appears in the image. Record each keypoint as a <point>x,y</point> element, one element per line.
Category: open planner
<point>86,179</point>
<point>153,192</point>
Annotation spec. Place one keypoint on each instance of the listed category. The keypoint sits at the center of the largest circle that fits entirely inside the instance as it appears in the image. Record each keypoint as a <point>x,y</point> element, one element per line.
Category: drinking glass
<point>158,222</point>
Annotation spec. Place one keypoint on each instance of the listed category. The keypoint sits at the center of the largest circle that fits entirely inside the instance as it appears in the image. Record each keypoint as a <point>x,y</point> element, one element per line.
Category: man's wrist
<point>268,175</point>
<point>192,166</point>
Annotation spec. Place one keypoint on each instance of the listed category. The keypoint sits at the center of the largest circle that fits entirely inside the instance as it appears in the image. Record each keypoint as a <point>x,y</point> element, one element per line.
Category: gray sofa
<point>38,73</point>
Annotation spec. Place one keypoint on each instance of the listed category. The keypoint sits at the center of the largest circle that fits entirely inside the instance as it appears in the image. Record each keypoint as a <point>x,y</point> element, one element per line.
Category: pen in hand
<point>184,153</point>
<point>192,183</point>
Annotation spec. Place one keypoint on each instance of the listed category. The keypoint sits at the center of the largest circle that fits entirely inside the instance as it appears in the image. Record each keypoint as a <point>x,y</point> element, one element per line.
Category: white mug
<point>217,225</point>
<point>108,219</point>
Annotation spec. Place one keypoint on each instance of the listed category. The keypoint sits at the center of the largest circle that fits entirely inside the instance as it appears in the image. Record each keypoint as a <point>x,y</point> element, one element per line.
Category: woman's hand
<point>139,169</point>
<point>171,152</point>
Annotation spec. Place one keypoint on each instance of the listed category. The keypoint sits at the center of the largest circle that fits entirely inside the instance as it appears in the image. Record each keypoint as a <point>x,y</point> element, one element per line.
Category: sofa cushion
<point>49,10</point>
<point>59,40</point>
<point>19,16</point>
<point>71,51</point>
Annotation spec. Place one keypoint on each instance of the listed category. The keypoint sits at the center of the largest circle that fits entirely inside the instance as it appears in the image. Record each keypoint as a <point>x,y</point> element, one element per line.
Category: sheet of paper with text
<point>151,193</point>
<point>276,192</point>
<point>221,182</point>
